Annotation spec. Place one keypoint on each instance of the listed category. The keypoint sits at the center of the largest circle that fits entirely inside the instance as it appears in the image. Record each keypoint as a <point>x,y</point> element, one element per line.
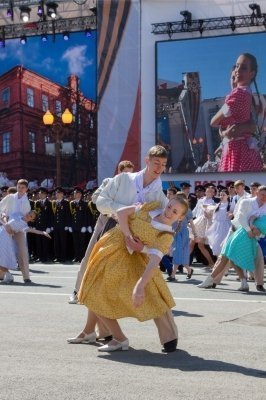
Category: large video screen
<point>195,78</point>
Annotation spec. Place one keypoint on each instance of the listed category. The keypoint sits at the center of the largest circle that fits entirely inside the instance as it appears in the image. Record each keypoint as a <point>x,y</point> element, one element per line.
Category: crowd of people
<point>124,231</point>
<point>215,214</point>
<point>66,218</point>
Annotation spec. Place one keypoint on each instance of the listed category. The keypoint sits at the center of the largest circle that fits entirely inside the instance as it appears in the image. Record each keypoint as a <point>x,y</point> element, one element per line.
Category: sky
<point>55,60</point>
<point>213,58</point>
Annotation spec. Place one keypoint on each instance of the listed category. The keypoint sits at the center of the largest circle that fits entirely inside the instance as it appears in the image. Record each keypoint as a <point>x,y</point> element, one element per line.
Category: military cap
<point>185,185</point>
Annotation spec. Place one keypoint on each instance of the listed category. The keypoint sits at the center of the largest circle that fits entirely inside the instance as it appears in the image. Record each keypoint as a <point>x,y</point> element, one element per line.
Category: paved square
<point>222,344</point>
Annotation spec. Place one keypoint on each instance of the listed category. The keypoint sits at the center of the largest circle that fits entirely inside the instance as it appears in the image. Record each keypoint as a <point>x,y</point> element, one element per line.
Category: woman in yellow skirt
<point>119,283</point>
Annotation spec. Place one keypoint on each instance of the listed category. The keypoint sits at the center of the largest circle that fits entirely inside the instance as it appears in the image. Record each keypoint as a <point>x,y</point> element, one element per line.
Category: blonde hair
<point>239,183</point>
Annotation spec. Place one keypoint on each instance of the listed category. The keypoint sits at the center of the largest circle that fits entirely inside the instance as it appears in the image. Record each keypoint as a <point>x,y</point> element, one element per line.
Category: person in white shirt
<point>129,189</point>
<point>201,224</point>
<point>240,195</point>
<point>248,207</point>
<point>14,205</point>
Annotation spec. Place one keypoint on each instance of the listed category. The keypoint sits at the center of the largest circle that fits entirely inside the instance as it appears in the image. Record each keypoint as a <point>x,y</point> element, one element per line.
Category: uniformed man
<point>43,222</point>
<point>79,223</point>
<point>4,192</point>
<point>192,198</point>
<point>61,224</point>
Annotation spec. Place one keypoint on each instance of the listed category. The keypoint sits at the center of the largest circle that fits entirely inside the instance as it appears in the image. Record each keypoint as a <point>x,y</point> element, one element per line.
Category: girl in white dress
<point>201,224</point>
<point>8,258</point>
<point>221,222</point>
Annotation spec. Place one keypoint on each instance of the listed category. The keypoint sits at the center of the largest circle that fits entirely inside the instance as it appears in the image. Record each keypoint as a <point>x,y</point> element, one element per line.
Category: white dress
<point>8,258</point>
<point>201,222</point>
<point>219,228</point>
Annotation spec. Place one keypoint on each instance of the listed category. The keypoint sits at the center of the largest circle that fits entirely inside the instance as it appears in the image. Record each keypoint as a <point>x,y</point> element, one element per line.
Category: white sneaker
<point>73,299</point>
<point>8,278</point>
<point>244,286</point>
<point>209,281</point>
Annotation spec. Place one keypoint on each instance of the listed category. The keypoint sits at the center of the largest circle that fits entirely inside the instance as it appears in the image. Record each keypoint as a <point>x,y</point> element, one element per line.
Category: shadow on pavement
<point>180,360</point>
<point>37,271</point>
<point>253,292</point>
<point>178,313</point>
<point>32,284</point>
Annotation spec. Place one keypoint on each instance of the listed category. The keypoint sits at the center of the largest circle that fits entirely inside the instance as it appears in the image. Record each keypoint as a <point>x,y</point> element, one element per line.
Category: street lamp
<point>198,147</point>
<point>57,131</point>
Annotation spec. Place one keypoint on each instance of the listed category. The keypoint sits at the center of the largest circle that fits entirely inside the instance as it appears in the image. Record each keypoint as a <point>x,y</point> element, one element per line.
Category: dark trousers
<point>42,247</point>
<point>60,245</point>
<point>79,242</point>
<point>31,240</point>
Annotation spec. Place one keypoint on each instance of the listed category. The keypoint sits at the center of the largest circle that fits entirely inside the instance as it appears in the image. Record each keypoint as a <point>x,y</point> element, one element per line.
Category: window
<point>45,102</point>
<point>30,97</point>
<point>32,142</point>
<point>74,111</point>
<point>47,139</point>
<point>6,142</point>
<point>58,108</point>
<point>91,122</point>
<point>6,97</point>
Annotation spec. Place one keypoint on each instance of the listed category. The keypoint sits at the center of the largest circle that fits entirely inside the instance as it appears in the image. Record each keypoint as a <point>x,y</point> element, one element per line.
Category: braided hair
<point>228,201</point>
<point>254,68</point>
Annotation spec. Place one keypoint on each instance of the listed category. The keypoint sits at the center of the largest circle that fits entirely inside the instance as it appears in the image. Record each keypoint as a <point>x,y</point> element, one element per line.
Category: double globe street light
<point>57,131</point>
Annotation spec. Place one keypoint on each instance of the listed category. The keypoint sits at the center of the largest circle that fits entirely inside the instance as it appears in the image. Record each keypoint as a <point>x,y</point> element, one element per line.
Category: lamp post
<point>198,145</point>
<point>57,131</point>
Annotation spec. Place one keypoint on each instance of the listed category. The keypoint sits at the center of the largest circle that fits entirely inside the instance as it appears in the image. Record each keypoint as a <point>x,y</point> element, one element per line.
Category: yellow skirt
<point>111,276</point>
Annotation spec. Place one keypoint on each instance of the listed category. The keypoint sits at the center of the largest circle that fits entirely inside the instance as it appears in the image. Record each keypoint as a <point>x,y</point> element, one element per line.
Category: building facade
<point>27,145</point>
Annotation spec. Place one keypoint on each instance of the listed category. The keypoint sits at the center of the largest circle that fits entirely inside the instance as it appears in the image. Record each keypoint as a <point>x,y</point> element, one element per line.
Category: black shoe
<point>169,347</point>
<point>213,285</point>
<point>27,281</point>
<point>260,288</point>
<point>180,269</point>
<point>170,279</point>
<point>190,275</point>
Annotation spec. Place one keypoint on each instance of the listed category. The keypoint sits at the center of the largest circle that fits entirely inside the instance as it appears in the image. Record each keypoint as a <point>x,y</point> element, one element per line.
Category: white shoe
<point>8,278</point>
<point>207,269</point>
<point>244,286</point>
<point>85,338</point>
<point>73,299</point>
<point>209,281</point>
<point>115,346</point>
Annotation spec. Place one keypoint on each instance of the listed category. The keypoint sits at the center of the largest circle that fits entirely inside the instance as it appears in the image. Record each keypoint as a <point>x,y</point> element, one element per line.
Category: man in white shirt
<point>240,195</point>
<point>132,188</point>
<point>18,205</point>
<point>140,187</point>
<point>247,208</point>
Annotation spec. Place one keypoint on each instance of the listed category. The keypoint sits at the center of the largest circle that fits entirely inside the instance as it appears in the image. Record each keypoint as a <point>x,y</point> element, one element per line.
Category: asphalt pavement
<point>221,351</point>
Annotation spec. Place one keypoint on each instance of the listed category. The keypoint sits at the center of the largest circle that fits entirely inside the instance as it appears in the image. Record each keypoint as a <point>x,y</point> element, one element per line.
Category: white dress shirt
<point>247,208</point>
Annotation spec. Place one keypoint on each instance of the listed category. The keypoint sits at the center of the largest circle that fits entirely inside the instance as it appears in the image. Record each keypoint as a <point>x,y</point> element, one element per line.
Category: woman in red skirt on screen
<point>239,154</point>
